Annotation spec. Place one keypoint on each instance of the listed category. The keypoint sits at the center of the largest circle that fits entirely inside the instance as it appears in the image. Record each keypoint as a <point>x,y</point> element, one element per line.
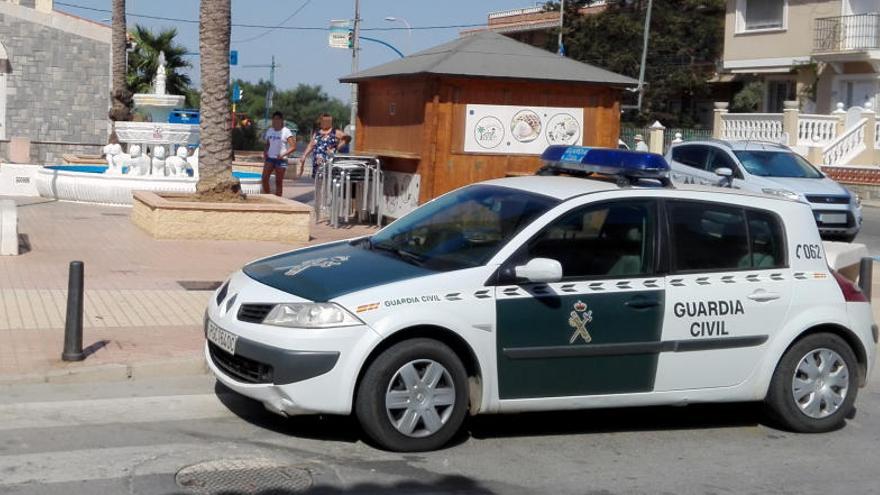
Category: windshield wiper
<point>405,255</point>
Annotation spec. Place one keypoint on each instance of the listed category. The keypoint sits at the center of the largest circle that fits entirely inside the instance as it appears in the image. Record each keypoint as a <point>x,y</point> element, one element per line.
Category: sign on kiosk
<point>512,129</point>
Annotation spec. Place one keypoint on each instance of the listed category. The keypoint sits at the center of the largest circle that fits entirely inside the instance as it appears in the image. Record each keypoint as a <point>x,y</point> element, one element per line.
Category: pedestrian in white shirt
<point>280,143</point>
<point>640,143</point>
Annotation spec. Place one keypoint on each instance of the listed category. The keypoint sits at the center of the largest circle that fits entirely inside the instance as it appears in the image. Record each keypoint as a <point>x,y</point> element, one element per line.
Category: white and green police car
<point>551,292</point>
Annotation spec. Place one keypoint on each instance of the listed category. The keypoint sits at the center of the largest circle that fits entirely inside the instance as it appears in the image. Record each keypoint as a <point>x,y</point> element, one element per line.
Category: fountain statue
<point>159,161</point>
<point>161,76</point>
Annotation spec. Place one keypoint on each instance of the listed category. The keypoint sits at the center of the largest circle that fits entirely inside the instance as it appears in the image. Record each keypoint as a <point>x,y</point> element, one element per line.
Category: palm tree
<point>121,98</point>
<point>144,60</point>
<point>215,152</point>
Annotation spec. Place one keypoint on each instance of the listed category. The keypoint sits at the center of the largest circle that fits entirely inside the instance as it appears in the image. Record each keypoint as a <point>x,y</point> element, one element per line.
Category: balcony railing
<point>847,33</point>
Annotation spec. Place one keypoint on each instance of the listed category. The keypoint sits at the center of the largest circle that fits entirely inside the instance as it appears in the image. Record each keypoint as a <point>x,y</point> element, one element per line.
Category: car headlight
<point>855,200</point>
<point>782,193</point>
<point>310,315</point>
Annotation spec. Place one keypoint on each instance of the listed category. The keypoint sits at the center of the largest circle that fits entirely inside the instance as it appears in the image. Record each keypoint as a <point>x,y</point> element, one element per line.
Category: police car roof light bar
<point>627,166</point>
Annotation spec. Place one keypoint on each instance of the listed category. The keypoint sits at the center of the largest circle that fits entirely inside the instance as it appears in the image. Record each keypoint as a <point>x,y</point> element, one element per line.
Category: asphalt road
<point>134,437</point>
<point>870,233</point>
<point>152,437</point>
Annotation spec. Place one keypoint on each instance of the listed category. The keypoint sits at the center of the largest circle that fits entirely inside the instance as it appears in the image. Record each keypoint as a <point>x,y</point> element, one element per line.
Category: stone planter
<point>164,216</point>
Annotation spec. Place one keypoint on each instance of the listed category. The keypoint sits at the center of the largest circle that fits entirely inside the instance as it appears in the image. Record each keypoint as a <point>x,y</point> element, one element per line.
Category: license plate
<point>832,217</point>
<point>221,338</point>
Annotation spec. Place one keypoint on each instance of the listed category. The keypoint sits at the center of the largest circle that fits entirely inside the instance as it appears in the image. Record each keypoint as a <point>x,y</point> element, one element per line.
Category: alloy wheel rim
<point>820,383</point>
<point>420,398</point>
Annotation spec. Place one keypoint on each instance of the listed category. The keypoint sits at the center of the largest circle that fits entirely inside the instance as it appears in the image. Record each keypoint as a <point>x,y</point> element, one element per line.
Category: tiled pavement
<point>135,310</point>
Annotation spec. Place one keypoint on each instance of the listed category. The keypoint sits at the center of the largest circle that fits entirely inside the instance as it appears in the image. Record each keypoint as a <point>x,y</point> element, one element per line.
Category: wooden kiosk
<point>479,107</point>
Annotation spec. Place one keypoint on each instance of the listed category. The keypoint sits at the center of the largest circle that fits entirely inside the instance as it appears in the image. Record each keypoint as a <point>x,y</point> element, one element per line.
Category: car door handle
<point>642,303</point>
<point>763,296</point>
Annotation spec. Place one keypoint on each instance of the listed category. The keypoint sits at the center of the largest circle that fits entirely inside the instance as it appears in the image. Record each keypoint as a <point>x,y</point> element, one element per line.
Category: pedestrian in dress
<point>325,141</point>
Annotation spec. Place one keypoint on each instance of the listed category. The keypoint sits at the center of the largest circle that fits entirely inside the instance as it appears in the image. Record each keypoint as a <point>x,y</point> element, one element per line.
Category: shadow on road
<point>446,484</point>
<point>346,429</point>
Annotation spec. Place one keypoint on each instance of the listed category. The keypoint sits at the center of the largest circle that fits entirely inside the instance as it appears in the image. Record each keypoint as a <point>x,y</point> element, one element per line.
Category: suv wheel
<point>814,385</point>
<point>413,396</point>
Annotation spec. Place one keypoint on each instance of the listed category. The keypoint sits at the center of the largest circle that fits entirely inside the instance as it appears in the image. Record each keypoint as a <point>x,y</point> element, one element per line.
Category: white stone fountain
<point>151,156</point>
<point>157,131</point>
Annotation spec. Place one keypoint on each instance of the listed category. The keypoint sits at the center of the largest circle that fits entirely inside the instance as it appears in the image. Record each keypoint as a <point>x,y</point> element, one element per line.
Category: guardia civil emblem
<point>578,320</point>
<point>314,263</point>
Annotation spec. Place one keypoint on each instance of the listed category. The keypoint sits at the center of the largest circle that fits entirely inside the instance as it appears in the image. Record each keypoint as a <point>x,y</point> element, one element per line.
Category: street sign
<point>340,34</point>
<point>236,92</point>
<point>233,57</point>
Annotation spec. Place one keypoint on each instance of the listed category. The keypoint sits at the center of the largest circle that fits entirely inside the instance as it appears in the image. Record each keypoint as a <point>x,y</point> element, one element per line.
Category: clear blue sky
<point>304,55</point>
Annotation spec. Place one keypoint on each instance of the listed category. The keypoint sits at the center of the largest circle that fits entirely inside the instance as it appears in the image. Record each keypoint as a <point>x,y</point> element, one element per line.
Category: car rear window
<point>714,237</point>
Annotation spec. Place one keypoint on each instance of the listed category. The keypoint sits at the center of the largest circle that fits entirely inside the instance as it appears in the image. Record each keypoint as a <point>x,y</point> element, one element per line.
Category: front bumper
<point>291,371</point>
<point>851,225</point>
<point>255,363</point>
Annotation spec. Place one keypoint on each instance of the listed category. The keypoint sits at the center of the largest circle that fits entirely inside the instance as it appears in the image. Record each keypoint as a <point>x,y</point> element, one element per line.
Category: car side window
<point>767,240</point>
<point>691,155</point>
<point>608,240</point>
<point>720,159</point>
<point>713,237</point>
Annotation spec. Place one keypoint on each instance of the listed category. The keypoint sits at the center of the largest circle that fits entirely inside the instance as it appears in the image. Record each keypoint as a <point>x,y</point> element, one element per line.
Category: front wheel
<point>814,385</point>
<point>413,396</point>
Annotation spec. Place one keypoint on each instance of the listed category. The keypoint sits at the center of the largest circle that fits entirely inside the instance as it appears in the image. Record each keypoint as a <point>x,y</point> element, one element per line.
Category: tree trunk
<point>120,108</point>
<point>215,152</point>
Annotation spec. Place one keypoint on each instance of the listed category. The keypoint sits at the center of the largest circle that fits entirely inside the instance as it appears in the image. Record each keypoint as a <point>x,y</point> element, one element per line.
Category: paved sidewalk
<point>138,318</point>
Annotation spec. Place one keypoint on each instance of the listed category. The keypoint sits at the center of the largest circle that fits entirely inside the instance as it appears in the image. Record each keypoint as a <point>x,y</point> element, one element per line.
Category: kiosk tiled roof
<point>492,55</point>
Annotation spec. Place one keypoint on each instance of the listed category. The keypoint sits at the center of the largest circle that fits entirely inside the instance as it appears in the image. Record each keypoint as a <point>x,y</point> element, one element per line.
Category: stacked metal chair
<point>349,187</point>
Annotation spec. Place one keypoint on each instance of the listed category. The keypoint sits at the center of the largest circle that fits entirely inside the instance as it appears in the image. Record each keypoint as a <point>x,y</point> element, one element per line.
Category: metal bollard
<point>73,326</point>
<point>866,276</point>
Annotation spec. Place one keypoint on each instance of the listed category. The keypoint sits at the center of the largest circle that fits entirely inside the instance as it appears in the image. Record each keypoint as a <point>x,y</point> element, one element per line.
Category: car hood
<point>322,273</point>
<point>823,186</point>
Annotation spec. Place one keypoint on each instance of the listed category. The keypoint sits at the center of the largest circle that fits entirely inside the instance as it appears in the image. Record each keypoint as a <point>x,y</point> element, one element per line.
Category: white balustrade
<point>754,126</point>
<point>846,146</point>
<point>816,130</point>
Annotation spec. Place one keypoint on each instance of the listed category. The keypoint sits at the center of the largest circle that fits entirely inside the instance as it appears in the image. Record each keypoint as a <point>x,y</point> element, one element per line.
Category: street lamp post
<point>408,29</point>
<point>355,48</point>
<point>560,49</point>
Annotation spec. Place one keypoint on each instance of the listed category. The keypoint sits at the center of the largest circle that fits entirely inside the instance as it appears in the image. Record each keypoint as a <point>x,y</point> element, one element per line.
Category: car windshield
<point>462,229</point>
<point>777,164</point>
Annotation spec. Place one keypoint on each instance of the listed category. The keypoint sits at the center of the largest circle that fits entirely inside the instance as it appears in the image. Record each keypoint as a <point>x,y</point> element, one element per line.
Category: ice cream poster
<point>511,129</point>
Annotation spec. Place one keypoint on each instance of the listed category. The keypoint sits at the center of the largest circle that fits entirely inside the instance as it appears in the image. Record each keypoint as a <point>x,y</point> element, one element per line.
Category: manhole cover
<point>243,476</point>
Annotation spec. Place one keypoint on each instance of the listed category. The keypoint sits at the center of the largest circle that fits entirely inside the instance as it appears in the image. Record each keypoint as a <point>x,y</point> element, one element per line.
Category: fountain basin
<point>158,106</point>
<point>157,133</point>
<point>89,184</point>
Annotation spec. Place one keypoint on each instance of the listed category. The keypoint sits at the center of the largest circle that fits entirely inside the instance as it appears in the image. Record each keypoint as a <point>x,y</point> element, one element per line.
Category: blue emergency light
<point>582,160</point>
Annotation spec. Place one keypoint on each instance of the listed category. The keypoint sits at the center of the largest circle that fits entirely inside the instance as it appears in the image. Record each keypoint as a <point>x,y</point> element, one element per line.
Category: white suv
<point>547,293</point>
<point>769,168</point>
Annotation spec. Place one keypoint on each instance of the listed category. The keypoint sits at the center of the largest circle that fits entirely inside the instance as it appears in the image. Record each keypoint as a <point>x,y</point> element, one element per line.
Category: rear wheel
<point>413,396</point>
<point>814,385</point>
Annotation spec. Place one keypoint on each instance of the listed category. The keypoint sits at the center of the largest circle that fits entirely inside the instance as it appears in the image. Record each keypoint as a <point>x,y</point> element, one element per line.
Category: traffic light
<point>237,92</point>
<point>351,39</point>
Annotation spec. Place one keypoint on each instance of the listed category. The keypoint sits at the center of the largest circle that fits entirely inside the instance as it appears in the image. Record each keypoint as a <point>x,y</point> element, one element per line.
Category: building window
<point>758,15</point>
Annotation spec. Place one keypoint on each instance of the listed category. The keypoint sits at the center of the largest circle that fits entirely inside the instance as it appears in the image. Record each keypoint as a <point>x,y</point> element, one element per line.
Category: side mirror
<point>540,270</point>
<point>726,175</point>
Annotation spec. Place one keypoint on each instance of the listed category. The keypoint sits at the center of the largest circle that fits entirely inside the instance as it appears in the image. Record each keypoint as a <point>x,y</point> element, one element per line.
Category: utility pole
<point>270,93</point>
<point>356,46</point>
<point>644,54</point>
<point>560,48</point>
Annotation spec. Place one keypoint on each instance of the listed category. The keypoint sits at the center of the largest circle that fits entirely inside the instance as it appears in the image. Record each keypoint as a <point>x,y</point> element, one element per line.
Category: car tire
<point>406,412</point>
<point>806,389</point>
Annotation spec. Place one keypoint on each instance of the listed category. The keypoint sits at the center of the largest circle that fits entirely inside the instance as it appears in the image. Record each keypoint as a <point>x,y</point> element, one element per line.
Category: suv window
<point>719,158</point>
<point>607,240</point>
<point>711,237</point>
<point>691,155</point>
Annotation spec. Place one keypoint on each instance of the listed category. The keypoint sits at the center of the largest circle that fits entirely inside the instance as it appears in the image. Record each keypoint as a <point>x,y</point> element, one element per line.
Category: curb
<point>102,373</point>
